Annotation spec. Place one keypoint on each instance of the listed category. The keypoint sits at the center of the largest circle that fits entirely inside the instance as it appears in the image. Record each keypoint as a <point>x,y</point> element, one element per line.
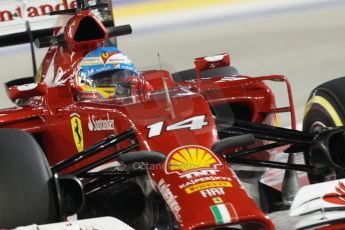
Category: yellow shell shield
<point>190,158</point>
<point>77,131</point>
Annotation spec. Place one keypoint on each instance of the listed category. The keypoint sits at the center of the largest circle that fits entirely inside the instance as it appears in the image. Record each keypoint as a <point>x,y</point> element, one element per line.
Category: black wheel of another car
<point>325,109</point>
<point>28,193</point>
<point>190,74</point>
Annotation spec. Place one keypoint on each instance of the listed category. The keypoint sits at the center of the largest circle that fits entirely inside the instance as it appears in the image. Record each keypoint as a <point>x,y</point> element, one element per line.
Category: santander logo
<point>337,197</point>
<point>100,124</point>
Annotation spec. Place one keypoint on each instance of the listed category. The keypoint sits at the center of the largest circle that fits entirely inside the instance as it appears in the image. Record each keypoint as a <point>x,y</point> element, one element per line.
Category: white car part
<point>102,223</point>
<point>312,198</point>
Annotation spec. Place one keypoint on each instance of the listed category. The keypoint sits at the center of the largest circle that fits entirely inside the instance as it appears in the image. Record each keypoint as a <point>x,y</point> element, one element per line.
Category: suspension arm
<point>265,132</point>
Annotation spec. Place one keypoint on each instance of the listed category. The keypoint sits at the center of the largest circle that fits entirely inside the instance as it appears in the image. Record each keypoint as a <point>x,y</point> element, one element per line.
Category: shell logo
<point>190,158</point>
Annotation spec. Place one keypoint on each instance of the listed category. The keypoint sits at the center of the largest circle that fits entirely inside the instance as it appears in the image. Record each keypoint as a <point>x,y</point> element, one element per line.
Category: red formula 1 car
<point>155,149</point>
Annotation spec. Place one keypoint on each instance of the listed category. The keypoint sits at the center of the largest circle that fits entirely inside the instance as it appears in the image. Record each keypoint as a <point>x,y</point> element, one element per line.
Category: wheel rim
<point>331,173</point>
<point>317,127</point>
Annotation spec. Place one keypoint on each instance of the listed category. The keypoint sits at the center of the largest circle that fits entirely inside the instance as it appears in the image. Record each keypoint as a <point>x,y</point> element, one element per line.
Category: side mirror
<point>70,192</point>
<point>27,90</point>
<point>236,141</point>
<point>150,157</point>
<point>211,62</point>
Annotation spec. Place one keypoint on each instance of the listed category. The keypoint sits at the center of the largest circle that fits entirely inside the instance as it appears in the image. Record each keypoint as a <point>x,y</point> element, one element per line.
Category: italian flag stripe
<point>221,213</point>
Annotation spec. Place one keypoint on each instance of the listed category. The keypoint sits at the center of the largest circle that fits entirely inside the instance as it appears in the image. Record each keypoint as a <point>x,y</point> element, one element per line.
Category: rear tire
<point>324,110</point>
<point>190,74</point>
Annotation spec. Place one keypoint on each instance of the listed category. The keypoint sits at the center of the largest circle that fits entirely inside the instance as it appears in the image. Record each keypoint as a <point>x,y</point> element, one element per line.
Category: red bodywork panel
<point>65,126</point>
<point>49,118</point>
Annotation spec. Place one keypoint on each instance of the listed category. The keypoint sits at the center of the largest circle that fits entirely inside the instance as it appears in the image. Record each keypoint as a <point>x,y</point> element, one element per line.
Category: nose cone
<point>202,191</point>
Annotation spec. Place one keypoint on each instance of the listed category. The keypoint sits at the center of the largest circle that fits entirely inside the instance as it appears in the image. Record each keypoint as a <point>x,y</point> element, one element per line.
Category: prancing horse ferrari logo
<point>105,56</point>
<point>77,131</point>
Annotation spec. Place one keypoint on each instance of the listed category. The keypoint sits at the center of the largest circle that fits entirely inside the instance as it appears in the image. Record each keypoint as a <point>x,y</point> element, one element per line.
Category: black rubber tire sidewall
<point>27,195</point>
<point>190,74</point>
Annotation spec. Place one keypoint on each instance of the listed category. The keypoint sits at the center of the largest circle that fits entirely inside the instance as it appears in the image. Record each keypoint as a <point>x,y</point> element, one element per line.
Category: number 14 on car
<point>193,123</point>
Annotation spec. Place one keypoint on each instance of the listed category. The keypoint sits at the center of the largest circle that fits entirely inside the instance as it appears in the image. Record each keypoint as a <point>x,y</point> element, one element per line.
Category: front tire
<point>324,110</point>
<point>28,193</point>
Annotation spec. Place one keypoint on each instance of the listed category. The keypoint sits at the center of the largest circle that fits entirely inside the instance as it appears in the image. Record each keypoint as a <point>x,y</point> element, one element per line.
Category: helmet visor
<point>108,78</point>
<point>109,83</point>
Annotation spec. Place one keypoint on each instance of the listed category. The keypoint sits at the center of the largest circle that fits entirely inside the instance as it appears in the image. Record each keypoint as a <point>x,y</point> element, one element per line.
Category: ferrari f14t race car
<point>154,149</point>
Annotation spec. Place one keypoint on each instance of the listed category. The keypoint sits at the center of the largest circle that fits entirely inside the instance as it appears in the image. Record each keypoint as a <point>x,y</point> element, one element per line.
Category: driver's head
<point>104,73</point>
